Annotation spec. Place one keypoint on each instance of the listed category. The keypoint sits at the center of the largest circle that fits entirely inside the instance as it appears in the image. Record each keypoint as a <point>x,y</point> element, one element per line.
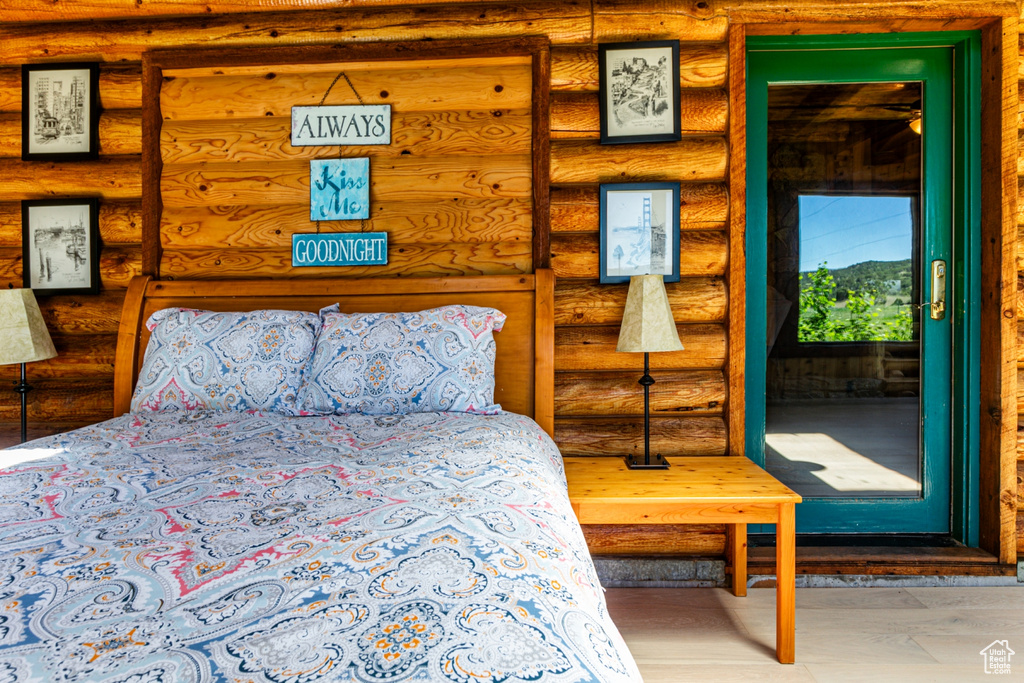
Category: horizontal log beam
<point>563,23</point>
<point>83,314</point>
<point>701,65</point>
<point>701,252</point>
<point>1020,392</point>
<point>269,93</point>
<point>489,258</point>
<point>1020,531</point>
<point>260,226</point>
<point>628,20</point>
<point>702,206</point>
<point>863,11</point>
<point>78,10</point>
<point>576,116</point>
<point>619,436</point>
<point>106,178</point>
<point>1020,484</point>
<point>120,87</point>
<point>694,540</point>
<point>400,179</point>
<point>592,347</point>
<point>120,133</point>
<point>15,11</point>
<point>586,161</point>
<point>120,223</point>
<point>78,357</point>
<point>588,302</point>
<point>64,400</point>
<point>419,134</point>
<point>118,265</point>
<point>699,392</point>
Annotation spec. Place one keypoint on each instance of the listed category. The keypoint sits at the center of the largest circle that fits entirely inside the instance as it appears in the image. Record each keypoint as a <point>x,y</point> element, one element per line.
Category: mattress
<point>258,547</point>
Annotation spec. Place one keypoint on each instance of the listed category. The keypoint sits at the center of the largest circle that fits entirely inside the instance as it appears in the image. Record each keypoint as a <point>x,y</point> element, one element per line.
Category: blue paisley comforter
<point>258,547</point>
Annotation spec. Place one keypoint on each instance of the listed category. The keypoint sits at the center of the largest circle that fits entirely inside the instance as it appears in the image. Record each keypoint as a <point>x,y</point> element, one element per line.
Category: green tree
<point>820,320</point>
<point>861,326</point>
<point>817,301</point>
<point>901,328</point>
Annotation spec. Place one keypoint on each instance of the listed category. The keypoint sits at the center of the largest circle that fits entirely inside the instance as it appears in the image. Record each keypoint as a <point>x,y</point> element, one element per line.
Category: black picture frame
<point>620,204</point>
<point>60,246</point>
<point>652,114</point>
<point>64,125</point>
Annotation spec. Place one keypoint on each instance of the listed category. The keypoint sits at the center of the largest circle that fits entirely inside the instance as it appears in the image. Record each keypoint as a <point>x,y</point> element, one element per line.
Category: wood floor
<point>842,634</point>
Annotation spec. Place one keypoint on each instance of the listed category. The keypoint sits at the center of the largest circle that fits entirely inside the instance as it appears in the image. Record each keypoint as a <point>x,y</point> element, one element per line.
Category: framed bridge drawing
<point>639,231</point>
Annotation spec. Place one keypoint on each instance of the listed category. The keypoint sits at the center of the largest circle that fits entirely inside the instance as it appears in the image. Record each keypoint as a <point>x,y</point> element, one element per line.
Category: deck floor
<point>842,634</point>
<point>866,448</point>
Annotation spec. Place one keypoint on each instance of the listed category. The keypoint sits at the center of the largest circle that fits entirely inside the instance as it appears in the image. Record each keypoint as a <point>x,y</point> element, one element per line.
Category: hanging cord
<point>342,74</point>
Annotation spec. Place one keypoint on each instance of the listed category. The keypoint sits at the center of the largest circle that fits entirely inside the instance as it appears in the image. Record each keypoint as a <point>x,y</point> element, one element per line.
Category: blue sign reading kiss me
<point>339,189</point>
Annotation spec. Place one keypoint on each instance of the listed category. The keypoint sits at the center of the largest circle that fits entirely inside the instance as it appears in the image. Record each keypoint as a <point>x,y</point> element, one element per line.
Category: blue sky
<point>852,229</point>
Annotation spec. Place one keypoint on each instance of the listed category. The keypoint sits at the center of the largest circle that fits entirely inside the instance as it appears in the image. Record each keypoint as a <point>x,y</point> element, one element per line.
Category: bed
<point>255,546</point>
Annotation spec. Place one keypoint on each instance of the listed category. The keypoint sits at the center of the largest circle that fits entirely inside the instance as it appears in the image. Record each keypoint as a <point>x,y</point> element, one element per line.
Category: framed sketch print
<point>60,246</point>
<point>59,111</point>
<point>639,231</point>
<point>639,91</point>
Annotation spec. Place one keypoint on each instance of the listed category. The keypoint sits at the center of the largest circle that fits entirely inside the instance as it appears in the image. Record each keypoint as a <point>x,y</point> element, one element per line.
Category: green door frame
<point>965,288</point>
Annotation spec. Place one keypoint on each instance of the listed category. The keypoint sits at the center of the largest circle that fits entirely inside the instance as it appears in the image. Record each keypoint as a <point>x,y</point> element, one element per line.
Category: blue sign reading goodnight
<point>340,249</point>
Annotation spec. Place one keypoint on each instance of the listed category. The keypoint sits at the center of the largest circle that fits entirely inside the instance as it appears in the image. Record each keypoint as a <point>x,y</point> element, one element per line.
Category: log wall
<point>209,233</point>
<point>1020,302</point>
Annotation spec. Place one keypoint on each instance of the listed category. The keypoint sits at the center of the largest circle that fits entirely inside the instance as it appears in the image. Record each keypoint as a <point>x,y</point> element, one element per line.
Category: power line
<point>851,227</point>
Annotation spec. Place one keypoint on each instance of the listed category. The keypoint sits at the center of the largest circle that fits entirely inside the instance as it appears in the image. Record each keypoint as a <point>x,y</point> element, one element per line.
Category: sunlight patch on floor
<point>837,465</point>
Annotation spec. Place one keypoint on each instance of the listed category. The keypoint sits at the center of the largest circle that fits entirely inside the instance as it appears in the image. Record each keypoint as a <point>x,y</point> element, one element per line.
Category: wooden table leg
<point>738,555</point>
<point>785,584</point>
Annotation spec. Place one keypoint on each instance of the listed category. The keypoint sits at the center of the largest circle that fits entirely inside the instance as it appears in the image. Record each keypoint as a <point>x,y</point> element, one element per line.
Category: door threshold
<point>884,560</point>
<point>862,540</point>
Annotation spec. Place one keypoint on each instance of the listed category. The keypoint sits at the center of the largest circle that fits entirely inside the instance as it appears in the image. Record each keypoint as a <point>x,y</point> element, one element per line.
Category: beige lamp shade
<point>647,323</point>
<point>23,335</point>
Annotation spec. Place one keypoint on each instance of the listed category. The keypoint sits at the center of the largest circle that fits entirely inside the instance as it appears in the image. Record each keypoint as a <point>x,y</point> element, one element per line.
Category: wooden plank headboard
<point>524,365</point>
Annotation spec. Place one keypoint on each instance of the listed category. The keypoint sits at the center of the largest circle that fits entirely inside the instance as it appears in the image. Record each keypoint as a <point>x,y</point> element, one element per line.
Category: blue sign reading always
<point>340,249</point>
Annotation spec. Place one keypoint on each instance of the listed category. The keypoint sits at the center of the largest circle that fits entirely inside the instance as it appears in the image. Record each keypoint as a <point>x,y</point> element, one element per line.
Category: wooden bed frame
<point>524,365</point>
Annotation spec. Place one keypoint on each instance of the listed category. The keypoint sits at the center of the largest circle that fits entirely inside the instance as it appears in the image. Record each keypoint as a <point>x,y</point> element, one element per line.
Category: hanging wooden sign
<point>339,189</point>
<point>364,124</point>
<point>340,249</point>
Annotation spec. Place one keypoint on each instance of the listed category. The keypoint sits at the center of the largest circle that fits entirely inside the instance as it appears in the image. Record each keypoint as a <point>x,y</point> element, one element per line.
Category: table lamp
<point>647,326</point>
<point>25,338</point>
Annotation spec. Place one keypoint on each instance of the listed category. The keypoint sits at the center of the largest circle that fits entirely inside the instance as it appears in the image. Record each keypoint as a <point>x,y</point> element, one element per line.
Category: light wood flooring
<point>842,634</point>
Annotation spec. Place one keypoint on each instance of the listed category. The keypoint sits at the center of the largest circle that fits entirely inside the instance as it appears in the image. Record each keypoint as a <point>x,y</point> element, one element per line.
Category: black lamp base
<point>638,462</point>
<point>647,461</point>
<point>23,387</point>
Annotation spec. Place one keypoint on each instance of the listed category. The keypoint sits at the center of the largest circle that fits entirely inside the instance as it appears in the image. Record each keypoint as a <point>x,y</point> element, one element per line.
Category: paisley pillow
<point>200,360</point>
<point>441,359</point>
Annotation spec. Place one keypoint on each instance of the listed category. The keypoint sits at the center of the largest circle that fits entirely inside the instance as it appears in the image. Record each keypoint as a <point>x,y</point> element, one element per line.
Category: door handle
<point>938,293</point>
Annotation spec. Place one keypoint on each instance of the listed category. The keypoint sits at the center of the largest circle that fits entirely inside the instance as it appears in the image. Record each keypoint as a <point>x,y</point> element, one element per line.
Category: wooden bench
<point>699,490</point>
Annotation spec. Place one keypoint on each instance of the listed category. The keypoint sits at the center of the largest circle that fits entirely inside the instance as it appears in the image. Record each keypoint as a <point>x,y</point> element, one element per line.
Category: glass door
<point>851,272</point>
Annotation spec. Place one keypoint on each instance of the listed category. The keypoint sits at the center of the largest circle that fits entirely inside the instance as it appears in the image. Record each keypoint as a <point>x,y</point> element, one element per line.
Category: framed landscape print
<point>60,246</point>
<point>59,111</point>
<point>639,231</point>
<point>639,91</point>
